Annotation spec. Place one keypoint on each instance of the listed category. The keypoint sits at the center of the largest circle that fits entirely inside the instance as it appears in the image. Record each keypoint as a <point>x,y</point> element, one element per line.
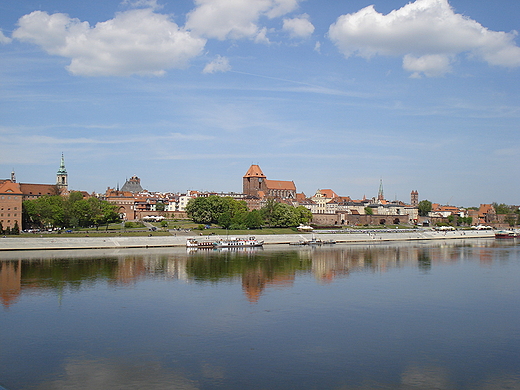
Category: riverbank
<point>53,243</point>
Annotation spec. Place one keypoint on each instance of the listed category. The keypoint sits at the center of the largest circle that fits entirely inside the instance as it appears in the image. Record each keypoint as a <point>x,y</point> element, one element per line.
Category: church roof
<point>38,189</point>
<point>280,185</point>
<point>132,185</point>
<point>254,171</point>
<point>62,170</point>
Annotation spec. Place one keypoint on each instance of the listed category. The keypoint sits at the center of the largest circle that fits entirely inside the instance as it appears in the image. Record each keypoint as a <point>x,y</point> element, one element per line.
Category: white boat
<point>238,243</point>
<point>507,233</point>
<point>194,243</point>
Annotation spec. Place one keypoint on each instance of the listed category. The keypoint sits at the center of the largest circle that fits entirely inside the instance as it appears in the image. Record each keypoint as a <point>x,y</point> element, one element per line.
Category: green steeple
<point>62,170</point>
<point>61,176</point>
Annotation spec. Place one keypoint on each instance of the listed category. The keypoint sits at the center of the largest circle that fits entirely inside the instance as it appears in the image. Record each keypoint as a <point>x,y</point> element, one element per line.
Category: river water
<point>421,315</point>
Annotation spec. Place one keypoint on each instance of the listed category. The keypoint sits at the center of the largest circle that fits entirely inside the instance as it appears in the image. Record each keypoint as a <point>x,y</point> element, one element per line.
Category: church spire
<point>61,175</point>
<point>380,195</point>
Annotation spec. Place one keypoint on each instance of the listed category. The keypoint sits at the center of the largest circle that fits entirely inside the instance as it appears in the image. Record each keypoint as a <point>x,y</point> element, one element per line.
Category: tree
<point>284,215</point>
<point>58,211</point>
<point>160,206</point>
<point>502,208</point>
<point>15,229</point>
<point>268,210</point>
<point>1,228</point>
<point>304,214</point>
<point>225,220</point>
<point>510,219</point>
<point>369,211</point>
<point>254,220</point>
<point>209,210</point>
<point>424,207</point>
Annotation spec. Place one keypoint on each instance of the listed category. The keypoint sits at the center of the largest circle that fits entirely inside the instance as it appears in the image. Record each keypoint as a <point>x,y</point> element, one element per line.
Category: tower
<point>13,176</point>
<point>414,198</point>
<point>253,181</point>
<point>61,175</point>
<point>380,195</point>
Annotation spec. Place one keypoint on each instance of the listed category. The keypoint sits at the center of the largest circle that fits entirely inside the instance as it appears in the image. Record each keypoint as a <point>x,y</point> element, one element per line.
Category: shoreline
<point>71,243</point>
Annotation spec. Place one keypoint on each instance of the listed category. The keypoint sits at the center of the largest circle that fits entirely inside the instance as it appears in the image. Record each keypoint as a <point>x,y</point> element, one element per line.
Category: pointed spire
<point>62,170</point>
<point>380,195</point>
<point>61,175</point>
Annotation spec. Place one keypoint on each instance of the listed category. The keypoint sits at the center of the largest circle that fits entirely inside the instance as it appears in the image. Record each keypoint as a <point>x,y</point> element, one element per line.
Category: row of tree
<point>230,213</point>
<point>7,231</point>
<point>55,211</point>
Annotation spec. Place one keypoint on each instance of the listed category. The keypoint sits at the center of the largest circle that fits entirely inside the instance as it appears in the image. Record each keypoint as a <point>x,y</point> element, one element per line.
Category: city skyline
<point>187,95</point>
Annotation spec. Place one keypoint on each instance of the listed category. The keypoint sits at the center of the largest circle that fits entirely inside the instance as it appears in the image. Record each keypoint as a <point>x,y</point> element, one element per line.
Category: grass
<point>185,227</point>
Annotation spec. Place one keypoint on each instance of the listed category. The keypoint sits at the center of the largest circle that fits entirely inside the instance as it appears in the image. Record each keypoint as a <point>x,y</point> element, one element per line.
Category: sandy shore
<point>52,243</point>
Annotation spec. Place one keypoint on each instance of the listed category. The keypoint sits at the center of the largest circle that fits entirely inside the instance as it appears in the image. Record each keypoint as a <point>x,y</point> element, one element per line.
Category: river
<point>409,315</point>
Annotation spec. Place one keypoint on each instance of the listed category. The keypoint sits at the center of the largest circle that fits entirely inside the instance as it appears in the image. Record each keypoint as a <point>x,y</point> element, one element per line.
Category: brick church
<point>256,184</point>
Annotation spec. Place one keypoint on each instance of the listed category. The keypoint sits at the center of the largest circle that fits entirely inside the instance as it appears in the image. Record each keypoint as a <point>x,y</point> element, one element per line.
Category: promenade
<point>53,243</point>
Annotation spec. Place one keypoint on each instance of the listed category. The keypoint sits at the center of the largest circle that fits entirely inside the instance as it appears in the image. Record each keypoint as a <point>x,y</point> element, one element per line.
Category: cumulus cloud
<point>220,64</point>
<point>235,19</point>
<point>137,41</point>
<point>299,27</point>
<point>3,38</point>
<point>427,33</point>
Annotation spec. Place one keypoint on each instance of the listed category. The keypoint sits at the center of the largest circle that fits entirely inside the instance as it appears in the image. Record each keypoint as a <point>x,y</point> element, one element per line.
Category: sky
<point>340,94</point>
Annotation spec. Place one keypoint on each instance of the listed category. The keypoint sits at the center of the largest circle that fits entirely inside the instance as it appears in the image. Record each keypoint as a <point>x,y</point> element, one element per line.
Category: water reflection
<point>422,315</point>
<point>258,269</point>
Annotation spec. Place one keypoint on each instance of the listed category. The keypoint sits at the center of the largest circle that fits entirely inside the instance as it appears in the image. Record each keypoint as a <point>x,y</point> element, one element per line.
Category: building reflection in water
<point>274,267</point>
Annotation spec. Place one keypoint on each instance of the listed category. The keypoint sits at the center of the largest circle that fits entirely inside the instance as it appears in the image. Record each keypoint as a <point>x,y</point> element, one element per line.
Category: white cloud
<point>427,32</point>
<point>431,65</point>
<point>138,41</point>
<point>142,4</point>
<point>4,39</point>
<point>220,64</point>
<point>299,27</point>
<point>235,19</point>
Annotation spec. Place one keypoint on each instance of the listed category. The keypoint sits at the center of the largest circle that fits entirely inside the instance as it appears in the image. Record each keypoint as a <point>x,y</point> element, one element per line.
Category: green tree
<point>304,214</point>
<point>1,228</point>
<point>15,229</point>
<point>208,210</point>
<point>254,220</point>
<point>424,207</point>
<point>510,219</point>
<point>369,211</point>
<point>268,211</point>
<point>57,211</point>
<point>225,220</point>
<point>502,208</point>
<point>284,215</point>
<point>160,206</point>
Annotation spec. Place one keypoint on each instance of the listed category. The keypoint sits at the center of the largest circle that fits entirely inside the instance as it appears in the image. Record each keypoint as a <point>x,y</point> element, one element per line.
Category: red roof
<point>254,171</point>
<point>280,185</point>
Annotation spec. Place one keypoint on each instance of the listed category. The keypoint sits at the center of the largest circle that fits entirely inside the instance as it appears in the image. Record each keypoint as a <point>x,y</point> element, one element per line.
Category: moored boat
<point>194,243</point>
<point>238,243</point>
<point>507,233</point>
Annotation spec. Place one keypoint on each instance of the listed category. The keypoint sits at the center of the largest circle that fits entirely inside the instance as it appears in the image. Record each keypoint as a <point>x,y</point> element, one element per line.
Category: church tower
<point>380,194</point>
<point>61,176</point>
<point>253,181</point>
<point>414,198</point>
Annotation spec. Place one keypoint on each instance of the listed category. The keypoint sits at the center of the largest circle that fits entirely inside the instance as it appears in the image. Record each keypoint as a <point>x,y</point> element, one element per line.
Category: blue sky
<point>338,94</point>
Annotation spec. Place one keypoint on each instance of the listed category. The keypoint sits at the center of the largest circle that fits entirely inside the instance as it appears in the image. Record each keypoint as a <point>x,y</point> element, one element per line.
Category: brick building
<point>10,204</point>
<point>256,184</point>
